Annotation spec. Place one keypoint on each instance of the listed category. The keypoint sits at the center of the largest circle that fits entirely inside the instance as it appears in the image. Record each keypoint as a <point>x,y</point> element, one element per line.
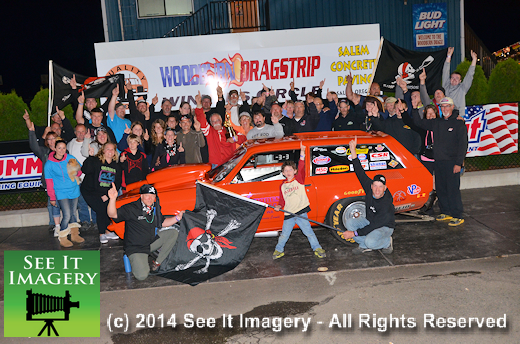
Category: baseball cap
<point>118,105</point>
<point>446,100</point>
<point>100,129</point>
<point>141,101</point>
<point>390,100</point>
<point>379,178</point>
<point>441,89</point>
<point>244,113</point>
<point>147,189</point>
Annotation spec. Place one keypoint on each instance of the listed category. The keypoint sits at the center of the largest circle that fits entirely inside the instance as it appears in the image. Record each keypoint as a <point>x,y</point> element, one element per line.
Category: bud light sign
<point>430,25</point>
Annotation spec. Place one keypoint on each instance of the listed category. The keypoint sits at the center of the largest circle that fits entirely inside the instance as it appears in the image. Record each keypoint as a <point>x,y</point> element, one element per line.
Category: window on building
<point>162,8</point>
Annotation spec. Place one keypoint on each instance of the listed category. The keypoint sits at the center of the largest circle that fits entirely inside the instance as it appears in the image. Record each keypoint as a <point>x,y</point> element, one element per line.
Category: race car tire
<point>342,210</point>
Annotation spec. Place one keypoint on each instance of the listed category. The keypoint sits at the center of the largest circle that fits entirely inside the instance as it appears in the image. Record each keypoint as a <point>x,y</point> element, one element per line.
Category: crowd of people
<point>113,146</point>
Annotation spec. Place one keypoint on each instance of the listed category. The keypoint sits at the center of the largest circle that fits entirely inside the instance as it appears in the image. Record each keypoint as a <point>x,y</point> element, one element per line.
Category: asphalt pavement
<point>466,274</point>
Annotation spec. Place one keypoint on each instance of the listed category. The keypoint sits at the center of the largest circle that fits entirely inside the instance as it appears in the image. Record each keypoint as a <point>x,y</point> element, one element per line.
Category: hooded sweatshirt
<point>59,184</point>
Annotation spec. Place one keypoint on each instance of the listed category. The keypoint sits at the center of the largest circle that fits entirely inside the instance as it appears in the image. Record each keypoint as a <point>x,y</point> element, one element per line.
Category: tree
<point>12,108</point>
<point>478,93</point>
<point>39,108</point>
<point>504,82</point>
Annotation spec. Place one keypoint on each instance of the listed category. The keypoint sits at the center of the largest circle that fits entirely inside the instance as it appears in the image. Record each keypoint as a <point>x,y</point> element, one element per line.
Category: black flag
<point>61,94</point>
<point>214,237</point>
<point>396,61</point>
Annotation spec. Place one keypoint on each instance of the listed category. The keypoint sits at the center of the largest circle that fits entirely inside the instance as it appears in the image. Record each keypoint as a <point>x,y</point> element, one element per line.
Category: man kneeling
<point>142,218</point>
<point>375,231</point>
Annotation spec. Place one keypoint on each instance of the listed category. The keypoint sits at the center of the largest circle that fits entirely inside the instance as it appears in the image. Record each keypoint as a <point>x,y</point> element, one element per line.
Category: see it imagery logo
<point>51,293</point>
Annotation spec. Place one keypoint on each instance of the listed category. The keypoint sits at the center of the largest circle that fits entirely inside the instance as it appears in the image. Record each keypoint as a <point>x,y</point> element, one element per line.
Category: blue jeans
<point>68,207</point>
<point>377,239</point>
<point>84,214</point>
<point>53,211</point>
<point>305,226</point>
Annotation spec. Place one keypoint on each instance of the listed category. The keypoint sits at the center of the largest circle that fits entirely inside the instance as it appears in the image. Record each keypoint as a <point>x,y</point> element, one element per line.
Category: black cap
<point>99,129</point>
<point>442,89</point>
<point>147,189</point>
<point>379,178</point>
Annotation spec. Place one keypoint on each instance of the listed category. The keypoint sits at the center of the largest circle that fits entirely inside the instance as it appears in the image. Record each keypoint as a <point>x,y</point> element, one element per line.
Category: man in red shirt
<point>220,148</point>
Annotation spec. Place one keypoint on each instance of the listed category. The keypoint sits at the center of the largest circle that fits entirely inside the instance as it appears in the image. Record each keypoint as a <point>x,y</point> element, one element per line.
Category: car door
<point>260,178</point>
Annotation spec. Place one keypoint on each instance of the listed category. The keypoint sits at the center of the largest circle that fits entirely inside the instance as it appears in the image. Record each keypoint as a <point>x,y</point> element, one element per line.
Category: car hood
<point>173,176</point>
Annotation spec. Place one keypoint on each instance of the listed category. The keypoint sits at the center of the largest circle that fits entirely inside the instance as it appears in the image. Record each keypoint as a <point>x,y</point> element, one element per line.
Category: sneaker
<point>84,225</point>
<point>278,254</point>
<point>359,250</point>
<point>57,229</point>
<point>456,222</point>
<point>390,248</point>
<point>112,236</point>
<point>443,217</point>
<point>320,253</point>
<point>103,239</point>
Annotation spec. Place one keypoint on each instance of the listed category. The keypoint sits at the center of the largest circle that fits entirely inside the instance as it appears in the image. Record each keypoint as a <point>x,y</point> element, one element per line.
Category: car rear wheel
<point>343,210</point>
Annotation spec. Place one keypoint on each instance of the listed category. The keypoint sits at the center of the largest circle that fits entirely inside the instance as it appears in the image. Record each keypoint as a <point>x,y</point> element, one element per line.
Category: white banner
<point>177,68</point>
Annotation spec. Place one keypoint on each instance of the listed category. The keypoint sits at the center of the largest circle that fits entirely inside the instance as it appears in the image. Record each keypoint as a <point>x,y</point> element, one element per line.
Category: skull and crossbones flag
<point>395,62</point>
<point>61,94</point>
<point>214,237</point>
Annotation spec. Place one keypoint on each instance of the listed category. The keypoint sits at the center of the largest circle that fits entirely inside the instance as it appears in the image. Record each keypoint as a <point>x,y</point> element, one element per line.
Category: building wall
<point>393,16</point>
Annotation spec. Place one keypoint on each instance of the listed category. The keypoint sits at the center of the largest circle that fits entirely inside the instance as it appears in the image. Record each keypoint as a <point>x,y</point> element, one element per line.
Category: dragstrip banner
<point>177,68</point>
<point>492,129</point>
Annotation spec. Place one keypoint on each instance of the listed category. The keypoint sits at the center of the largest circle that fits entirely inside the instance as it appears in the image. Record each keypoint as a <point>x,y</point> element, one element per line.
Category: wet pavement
<point>491,229</point>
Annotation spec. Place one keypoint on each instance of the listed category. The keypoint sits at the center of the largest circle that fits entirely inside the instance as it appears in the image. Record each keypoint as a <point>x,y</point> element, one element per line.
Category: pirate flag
<point>395,62</point>
<point>214,237</point>
<point>61,94</point>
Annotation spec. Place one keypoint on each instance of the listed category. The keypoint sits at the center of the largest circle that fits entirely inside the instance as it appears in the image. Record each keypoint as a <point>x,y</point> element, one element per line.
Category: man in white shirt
<point>74,148</point>
<point>264,131</point>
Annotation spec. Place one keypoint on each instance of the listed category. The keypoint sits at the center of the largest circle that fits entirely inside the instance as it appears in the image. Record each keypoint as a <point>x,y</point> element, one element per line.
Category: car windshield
<point>220,172</point>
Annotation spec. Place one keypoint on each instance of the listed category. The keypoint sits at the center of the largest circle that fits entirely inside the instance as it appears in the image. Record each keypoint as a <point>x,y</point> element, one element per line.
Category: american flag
<point>492,129</point>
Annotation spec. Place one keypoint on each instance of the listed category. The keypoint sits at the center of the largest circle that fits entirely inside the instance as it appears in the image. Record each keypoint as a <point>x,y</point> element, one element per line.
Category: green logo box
<point>51,293</point>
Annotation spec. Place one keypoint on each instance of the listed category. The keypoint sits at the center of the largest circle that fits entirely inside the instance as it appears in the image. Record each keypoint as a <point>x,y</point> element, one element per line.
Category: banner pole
<point>375,65</point>
<point>231,193</point>
<point>51,92</point>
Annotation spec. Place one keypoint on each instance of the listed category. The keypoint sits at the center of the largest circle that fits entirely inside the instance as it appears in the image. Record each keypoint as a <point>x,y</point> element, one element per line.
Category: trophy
<point>230,131</point>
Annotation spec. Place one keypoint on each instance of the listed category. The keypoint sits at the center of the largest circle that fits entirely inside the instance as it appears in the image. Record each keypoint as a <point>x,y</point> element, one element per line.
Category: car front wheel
<point>343,210</point>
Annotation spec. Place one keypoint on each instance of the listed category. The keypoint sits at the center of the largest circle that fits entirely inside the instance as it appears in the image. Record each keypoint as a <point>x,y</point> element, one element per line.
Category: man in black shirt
<point>142,218</point>
<point>375,231</point>
<point>451,145</point>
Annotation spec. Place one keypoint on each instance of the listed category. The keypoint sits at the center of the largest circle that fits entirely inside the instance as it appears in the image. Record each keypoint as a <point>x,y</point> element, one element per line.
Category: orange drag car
<point>331,184</point>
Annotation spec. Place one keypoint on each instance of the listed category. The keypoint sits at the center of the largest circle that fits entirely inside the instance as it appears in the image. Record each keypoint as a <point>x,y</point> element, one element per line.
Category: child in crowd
<point>168,153</point>
<point>294,199</point>
<point>133,162</point>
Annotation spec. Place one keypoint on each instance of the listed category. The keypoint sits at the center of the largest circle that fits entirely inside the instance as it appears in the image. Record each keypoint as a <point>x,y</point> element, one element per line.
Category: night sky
<point>65,31</point>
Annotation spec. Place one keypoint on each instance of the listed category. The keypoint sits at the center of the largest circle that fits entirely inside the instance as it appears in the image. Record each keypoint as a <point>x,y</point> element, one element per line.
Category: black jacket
<point>309,122</point>
<point>380,212</point>
<point>451,137</point>
<point>398,129</point>
<point>352,121</point>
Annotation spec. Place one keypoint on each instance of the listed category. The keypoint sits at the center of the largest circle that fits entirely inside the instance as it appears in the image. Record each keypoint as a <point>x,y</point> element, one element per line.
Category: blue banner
<point>430,25</point>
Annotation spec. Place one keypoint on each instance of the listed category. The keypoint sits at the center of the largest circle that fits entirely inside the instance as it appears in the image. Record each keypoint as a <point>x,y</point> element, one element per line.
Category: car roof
<point>316,138</point>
